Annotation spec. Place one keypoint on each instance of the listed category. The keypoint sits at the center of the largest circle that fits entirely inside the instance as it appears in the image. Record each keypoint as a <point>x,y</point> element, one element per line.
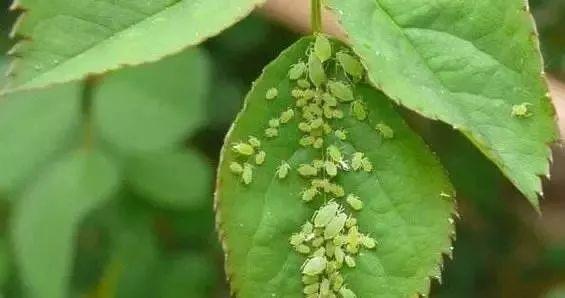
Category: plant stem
<point>89,86</point>
<point>316,15</point>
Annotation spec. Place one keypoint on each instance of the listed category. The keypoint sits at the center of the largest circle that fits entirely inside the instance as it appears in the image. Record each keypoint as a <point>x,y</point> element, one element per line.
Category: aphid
<point>356,160</point>
<point>316,123</point>
<point>316,70</point>
<point>236,168</point>
<point>253,141</point>
<point>350,261</point>
<point>339,254</point>
<point>307,228</point>
<point>331,267</point>
<point>243,149</point>
<point>330,249</point>
<point>309,94</point>
<point>307,141</point>
<point>334,153</point>
<point>271,132</point>
<point>314,266</point>
<point>319,143</point>
<point>354,202</point>
<point>309,194</point>
<point>335,226</point>
<point>320,252</point>
<point>337,190</point>
<point>385,131</point>
<point>318,241</point>
<point>304,127</point>
<point>351,221</point>
<point>301,102</point>
<point>247,174</point>
<point>329,100</point>
<point>341,134</point>
<point>272,93</point>
<point>346,293</point>
<point>368,242</point>
<point>324,288</point>
<point>341,91</point>
<point>302,249</point>
<point>296,71</point>
<point>340,240</point>
<point>327,128</point>
<point>366,165</point>
<point>353,240</point>
<point>338,114</point>
<point>311,289</point>
<point>358,110</point>
<point>297,239</point>
<point>337,282</point>
<point>307,170</point>
<point>297,93</point>
<point>274,123</point>
<point>325,214</point>
<point>260,157</point>
<point>282,170</point>
<point>331,168</point>
<point>304,84</point>
<point>521,110</point>
<point>322,48</point>
<point>308,280</point>
<point>286,116</point>
<point>350,65</point>
<point>318,163</point>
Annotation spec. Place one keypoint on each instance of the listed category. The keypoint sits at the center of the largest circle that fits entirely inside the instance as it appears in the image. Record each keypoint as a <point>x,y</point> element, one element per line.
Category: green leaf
<point>467,63</point>
<point>154,106</point>
<point>404,208</point>
<point>177,180</point>
<point>67,41</point>
<point>47,216</point>
<point>5,262</point>
<point>189,275</point>
<point>34,126</point>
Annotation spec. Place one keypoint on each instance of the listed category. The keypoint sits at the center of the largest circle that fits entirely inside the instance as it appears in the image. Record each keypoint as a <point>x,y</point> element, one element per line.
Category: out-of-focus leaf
<point>181,179</point>
<point>68,40</point>
<point>187,276</point>
<point>33,127</point>
<point>5,262</point>
<point>154,106</point>
<point>47,216</point>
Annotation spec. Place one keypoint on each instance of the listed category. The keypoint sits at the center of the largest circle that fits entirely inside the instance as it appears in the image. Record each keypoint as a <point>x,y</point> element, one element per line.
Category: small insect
<point>274,123</point>
<point>368,242</point>
<point>286,116</point>
<point>297,70</point>
<point>314,266</point>
<point>340,240</point>
<point>297,93</point>
<point>318,241</point>
<point>350,65</point>
<point>304,127</point>
<point>325,214</point>
<point>337,190</point>
<point>307,141</point>
<point>350,261</point>
<point>309,194</point>
<point>316,70</point>
<point>309,94</point>
<point>331,267</point>
<point>341,91</point>
<point>319,143</point>
<point>356,160</point>
<point>354,202</point>
<point>337,282</point>
<point>334,153</point>
<point>236,168</point>
<point>304,84</point>
<point>271,132</point>
<point>338,114</point>
<point>253,141</point>
<point>353,240</point>
<point>311,289</point>
<point>358,110</point>
<point>366,165</point>
<point>346,293</point>
<point>522,110</point>
<point>322,48</point>
<point>317,123</point>
<point>247,175</point>
<point>308,280</point>
<point>307,228</point>
<point>301,102</point>
<point>335,226</point>
<point>272,93</point>
<point>307,170</point>
<point>385,131</point>
<point>330,249</point>
<point>282,170</point>
<point>327,128</point>
<point>260,157</point>
<point>320,252</point>
<point>341,134</point>
<point>351,221</point>
<point>243,149</point>
<point>331,168</point>
<point>339,255</point>
<point>324,288</point>
<point>329,100</point>
<point>318,163</point>
<point>302,249</point>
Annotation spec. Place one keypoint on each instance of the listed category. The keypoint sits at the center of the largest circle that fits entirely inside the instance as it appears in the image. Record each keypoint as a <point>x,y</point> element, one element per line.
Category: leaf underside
<point>403,211</point>
<point>467,63</point>
<point>69,40</point>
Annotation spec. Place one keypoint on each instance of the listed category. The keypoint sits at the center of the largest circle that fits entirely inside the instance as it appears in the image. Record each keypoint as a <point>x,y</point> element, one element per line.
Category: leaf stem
<point>316,15</point>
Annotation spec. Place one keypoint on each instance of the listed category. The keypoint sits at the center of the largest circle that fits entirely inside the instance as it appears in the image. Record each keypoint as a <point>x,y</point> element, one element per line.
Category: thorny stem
<point>316,15</point>
<point>88,89</point>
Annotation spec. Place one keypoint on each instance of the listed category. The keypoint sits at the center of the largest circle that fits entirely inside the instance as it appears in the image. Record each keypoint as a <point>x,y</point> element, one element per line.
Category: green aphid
<point>351,221</point>
<point>314,266</point>
<point>311,288</point>
<point>337,190</point>
<point>308,280</point>
<point>247,174</point>
<point>354,202</point>
<point>327,128</point>
<point>271,132</point>
<point>350,65</point>
<point>286,116</point>
<point>330,249</point>
<point>350,261</point>
<point>320,252</point>
<point>274,123</point>
<point>322,48</point>
<point>522,110</point>
<point>318,163</point>
<point>236,168</point>
<point>243,149</point>
<point>316,70</point>
<point>302,249</point>
<point>385,131</point>
<point>325,214</point>
<point>309,94</point>
<point>318,241</point>
<point>341,91</point>
<point>253,141</point>
<point>328,111</point>
<point>346,293</point>
<point>324,288</point>
<point>332,266</point>
<point>260,157</point>
<point>322,183</point>
<point>335,226</point>
<point>334,153</point>
<point>297,239</point>
<point>309,194</point>
<point>329,100</point>
<point>307,141</point>
<point>356,160</point>
<point>341,134</point>
<point>331,168</point>
<point>297,93</point>
<point>304,127</point>
<point>304,84</point>
<point>283,169</point>
<point>340,240</point>
<point>307,170</point>
<point>353,240</point>
<point>339,255</point>
<point>272,93</point>
<point>301,102</point>
<point>307,228</point>
<point>366,165</point>
<point>358,110</point>
<point>319,143</point>
<point>368,242</point>
<point>337,282</point>
<point>317,123</point>
<point>338,114</point>
<point>297,71</point>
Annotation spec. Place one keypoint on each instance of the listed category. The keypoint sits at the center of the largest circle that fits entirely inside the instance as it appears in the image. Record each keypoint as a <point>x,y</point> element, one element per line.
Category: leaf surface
<point>467,63</point>
<point>67,41</point>
<point>404,210</point>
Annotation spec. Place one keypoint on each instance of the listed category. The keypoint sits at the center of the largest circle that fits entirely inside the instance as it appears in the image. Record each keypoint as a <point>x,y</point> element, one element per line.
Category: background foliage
<point>157,239</point>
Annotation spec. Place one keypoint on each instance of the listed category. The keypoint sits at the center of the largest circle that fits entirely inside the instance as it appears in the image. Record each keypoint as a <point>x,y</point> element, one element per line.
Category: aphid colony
<point>323,93</point>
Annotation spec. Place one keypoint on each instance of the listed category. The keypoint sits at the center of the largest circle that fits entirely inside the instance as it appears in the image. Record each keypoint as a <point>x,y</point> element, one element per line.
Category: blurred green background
<point>162,125</point>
